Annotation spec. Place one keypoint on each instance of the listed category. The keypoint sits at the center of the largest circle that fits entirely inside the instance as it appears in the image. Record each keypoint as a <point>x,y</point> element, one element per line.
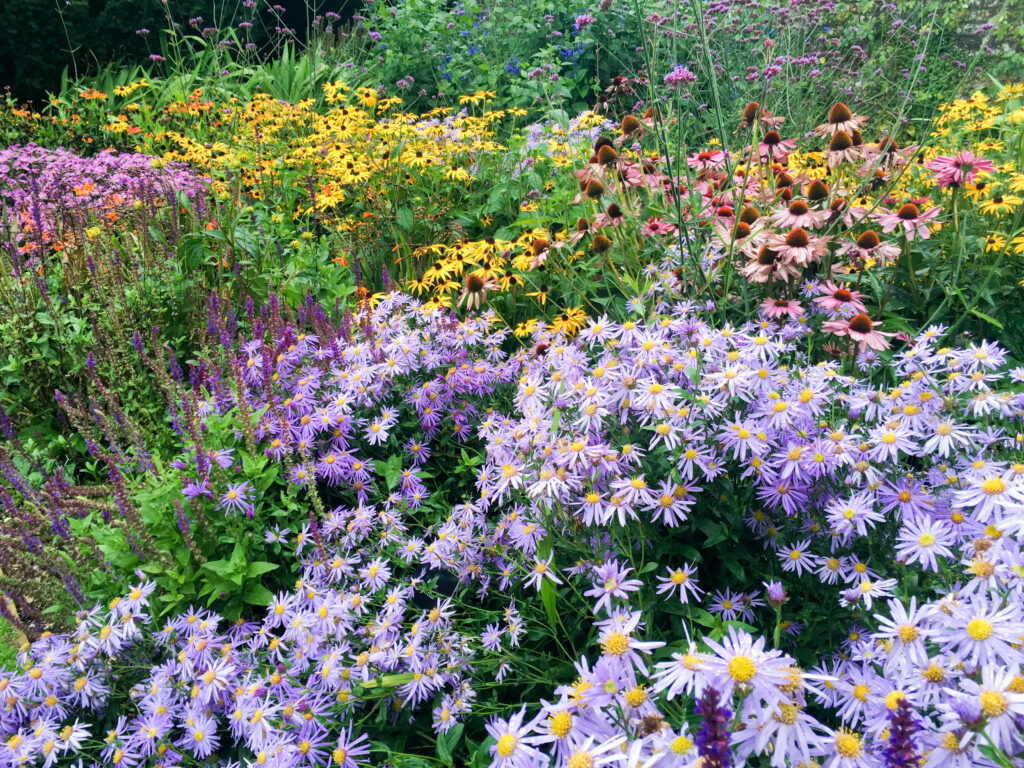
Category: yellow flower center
<point>636,696</point>
<point>848,744</point>
<point>993,485</point>
<point>993,703</point>
<point>617,644</point>
<point>507,745</point>
<point>680,745</point>
<point>742,669</point>
<point>560,724</point>
<point>979,629</point>
<point>951,743</point>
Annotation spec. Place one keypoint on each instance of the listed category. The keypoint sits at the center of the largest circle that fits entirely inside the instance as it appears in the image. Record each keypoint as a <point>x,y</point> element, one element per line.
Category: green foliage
<point>8,645</point>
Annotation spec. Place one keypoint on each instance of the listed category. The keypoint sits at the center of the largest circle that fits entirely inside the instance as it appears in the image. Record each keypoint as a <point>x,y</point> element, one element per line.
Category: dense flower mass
<point>51,198</point>
<point>631,426</point>
<point>677,425</point>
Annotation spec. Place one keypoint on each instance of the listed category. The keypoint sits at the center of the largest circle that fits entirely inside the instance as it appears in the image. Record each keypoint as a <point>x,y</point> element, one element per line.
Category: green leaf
<point>548,596</point>
<point>220,567</point>
<point>257,594</point>
<point>987,318</point>
<point>260,567</point>
<point>447,742</point>
<point>392,471</point>
<point>191,250</point>
<point>404,218</point>
<point>716,533</point>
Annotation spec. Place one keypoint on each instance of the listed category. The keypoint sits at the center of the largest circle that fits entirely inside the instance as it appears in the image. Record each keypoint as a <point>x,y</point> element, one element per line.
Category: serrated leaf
<point>987,318</point>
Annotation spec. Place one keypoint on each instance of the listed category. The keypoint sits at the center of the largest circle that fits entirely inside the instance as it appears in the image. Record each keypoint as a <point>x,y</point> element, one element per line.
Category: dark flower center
<point>840,113</point>
<point>798,208</point>
<point>868,240</point>
<point>750,111</point>
<point>797,238</point>
<point>908,212</point>
<point>766,256</point>
<point>749,214</point>
<point>818,190</point>
<point>772,138</point>
<point>840,141</point>
<point>860,324</point>
<point>842,294</point>
<point>606,155</point>
<point>474,284</point>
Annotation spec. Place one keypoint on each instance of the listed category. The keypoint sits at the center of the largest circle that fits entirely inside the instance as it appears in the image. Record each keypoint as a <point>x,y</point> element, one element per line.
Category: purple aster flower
<point>236,499</point>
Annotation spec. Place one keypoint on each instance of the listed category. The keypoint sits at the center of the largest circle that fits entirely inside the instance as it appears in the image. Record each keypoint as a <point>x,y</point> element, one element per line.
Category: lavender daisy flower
<point>680,579</point>
<point>512,747</point>
<point>350,752</point>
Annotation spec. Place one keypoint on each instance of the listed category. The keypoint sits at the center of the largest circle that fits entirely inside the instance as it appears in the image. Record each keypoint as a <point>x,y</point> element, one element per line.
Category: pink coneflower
<point>754,111</point>
<point>655,226</point>
<point>841,149</point>
<point>861,329</point>
<point>889,154</point>
<point>766,264</point>
<point>798,246</point>
<point>773,147</point>
<point>869,246</point>
<point>709,159</point>
<point>798,214</point>
<point>474,293</point>
<point>909,218</point>
<point>840,118</point>
<point>610,217</point>
<point>959,169</point>
<point>839,299</point>
<point>778,308</point>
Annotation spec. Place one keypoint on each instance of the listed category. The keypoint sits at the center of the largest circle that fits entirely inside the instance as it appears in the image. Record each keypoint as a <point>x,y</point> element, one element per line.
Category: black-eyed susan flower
<point>998,205</point>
